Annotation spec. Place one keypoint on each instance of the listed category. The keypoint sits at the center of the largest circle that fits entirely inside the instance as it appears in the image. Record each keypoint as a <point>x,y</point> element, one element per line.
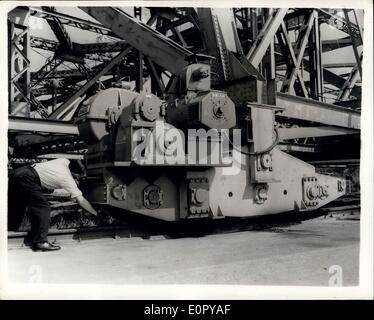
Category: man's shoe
<point>27,241</point>
<point>45,246</point>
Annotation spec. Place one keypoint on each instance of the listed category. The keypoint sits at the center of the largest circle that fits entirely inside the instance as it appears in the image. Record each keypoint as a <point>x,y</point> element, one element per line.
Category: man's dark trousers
<point>25,191</point>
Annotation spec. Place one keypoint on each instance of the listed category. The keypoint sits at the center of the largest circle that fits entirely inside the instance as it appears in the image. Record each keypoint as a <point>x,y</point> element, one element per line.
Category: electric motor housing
<point>99,111</point>
<point>213,109</point>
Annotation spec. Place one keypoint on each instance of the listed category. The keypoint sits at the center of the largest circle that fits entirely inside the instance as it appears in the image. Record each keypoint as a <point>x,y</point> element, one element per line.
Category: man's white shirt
<point>55,174</point>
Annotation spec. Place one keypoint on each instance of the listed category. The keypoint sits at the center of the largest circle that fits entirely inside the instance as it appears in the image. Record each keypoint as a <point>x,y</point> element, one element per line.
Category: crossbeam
<point>313,132</point>
<point>41,125</point>
<point>315,111</point>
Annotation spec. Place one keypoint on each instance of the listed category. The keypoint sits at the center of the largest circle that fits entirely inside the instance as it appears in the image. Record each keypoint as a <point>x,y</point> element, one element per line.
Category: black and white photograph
<point>187,150</point>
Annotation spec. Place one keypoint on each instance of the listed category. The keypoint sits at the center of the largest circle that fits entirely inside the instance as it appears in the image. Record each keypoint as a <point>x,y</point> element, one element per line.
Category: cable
<point>45,57</point>
<point>268,149</point>
<point>215,74</point>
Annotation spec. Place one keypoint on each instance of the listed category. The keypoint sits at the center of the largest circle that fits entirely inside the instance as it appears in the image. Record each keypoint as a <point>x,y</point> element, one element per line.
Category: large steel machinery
<point>197,154</point>
<point>216,100</point>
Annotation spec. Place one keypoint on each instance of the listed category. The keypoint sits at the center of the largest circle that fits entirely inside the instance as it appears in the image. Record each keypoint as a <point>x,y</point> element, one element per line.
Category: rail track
<point>346,208</point>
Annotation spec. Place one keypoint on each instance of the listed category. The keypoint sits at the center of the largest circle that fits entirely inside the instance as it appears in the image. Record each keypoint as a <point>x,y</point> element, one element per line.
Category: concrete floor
<point>294,255</point>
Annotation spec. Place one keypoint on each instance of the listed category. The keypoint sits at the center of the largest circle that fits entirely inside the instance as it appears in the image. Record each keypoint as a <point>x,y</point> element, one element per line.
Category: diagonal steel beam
<point>327,46</point>
<point>155,76</point>
<point>335,79</point>
<point>349,85</point>
<point>43,44</point>
<point>355,42</point>
<point>99,47</point>
<point>340,82</point>
<point>59,111</point>
<point>59,30</point>
<point>294,62</point>
<point>159,48</point>
<point>301,43</point>
<point>266,35</point>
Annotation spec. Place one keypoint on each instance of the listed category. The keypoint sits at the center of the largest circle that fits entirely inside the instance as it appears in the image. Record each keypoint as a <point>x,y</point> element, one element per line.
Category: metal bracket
<point>264,162</point>
<point>153,197</point>
<point>261,192</point>
<point>198,199</point>
<point>313,191</point>
<point>119,192</point>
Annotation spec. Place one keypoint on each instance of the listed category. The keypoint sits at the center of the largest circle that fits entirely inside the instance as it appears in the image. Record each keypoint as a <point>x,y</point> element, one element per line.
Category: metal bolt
<point>266,160</point>
<point>201,195</point>
<point>313,192</point>
<point>262,194</point>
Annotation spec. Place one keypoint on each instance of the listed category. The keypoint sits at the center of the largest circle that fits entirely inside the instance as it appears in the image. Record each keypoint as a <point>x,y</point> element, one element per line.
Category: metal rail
<point>186,228</point>
<point>41,125</point>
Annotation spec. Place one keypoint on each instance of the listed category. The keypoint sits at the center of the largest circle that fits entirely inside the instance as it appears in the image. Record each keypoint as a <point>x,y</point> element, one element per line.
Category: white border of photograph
<point>226,292</point>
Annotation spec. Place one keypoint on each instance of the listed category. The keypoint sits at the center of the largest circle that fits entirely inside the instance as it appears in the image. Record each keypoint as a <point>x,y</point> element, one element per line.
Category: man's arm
<point>83,202</point>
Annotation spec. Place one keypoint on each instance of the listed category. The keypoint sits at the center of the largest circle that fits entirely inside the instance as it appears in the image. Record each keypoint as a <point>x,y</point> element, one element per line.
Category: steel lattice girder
<point>43,44</point>
<point>58,112</point>
<point>349,86</point>
<point>44,71</point>
<point>59,30</point>
<point>19,63</point>
<point>80,48</point>
<point>91,51</point>
<point>72,21</point>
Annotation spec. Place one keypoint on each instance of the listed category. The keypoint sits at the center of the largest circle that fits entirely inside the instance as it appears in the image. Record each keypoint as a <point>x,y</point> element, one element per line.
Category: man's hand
<point>82,201</point>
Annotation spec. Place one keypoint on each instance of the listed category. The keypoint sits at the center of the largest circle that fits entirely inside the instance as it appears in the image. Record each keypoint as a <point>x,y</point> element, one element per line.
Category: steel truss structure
<point>283,48</point>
